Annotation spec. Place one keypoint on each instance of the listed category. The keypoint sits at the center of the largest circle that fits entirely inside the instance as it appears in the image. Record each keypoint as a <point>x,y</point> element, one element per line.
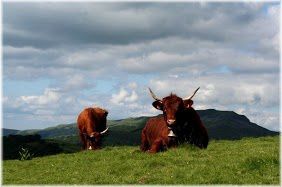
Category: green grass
<point>247,161</point>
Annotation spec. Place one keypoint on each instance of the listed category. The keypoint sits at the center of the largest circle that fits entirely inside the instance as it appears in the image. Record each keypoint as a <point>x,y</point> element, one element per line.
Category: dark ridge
<point>6,132</point>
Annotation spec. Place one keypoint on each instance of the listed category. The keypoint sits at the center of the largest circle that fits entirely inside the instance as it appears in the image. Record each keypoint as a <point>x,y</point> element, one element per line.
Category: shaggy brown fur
<point>90,122</point>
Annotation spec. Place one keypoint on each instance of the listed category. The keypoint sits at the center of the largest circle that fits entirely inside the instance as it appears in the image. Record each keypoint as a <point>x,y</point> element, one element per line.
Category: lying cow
<point>179,120</point>
<point>91,123</point>
<point>156,136</point>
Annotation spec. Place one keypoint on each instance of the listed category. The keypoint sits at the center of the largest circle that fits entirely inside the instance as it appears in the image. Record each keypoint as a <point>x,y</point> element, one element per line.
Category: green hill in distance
<point>7,132</point>
<point>226,125</point>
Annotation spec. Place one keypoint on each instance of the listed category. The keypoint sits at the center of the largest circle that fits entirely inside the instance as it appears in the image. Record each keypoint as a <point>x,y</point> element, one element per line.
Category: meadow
<point>245,161</point>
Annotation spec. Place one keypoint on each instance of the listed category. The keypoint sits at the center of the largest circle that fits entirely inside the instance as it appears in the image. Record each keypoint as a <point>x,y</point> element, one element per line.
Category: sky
<point>60,57</point>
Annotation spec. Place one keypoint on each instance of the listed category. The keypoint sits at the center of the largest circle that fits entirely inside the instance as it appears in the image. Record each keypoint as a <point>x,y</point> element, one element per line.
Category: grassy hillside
<point>246,161</point>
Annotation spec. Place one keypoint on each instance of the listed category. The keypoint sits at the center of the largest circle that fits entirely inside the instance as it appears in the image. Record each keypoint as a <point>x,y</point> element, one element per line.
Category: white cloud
<point>119,97</point>
<point>131,98</point>
<point>132,85</point>
<point>174,76</point>
<point>76,82</point>
<point>50,96</point>
<point>5,99</point>
<point>124,97</point>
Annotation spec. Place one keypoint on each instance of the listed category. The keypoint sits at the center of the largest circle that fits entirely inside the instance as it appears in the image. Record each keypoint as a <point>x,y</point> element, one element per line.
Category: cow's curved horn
<point>103,132</point>
<point>187,98</point>
<point>153,95</point>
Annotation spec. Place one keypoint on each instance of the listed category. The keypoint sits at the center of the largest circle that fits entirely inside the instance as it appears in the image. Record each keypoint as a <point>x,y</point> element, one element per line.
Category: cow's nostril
<point>171,121</point>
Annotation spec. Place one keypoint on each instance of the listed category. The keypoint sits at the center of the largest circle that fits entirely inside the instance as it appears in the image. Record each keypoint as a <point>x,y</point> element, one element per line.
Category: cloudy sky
<point>62,57</point>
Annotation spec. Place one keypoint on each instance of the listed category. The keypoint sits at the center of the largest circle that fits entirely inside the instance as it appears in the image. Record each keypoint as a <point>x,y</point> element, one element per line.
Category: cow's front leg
<point>83,141</point>
<point>144,142</point>
<point>156,146</point>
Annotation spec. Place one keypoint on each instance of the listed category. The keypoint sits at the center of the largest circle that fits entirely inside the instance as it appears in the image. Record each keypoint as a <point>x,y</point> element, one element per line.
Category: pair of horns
<point>186,98</point>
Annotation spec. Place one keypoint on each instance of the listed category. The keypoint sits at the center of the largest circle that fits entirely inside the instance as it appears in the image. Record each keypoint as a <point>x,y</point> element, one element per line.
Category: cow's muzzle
<point>170,121</point>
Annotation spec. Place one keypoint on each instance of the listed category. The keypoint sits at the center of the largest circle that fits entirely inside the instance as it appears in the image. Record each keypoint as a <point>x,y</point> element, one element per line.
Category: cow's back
<point>194,118</point>
<point>86,120</point>
<point>195,129</point>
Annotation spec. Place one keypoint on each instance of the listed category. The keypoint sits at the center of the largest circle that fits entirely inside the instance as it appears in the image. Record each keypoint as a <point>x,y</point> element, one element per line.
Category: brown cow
<point>179,120</point>
<point>156,136</point>
<point>91,123</point>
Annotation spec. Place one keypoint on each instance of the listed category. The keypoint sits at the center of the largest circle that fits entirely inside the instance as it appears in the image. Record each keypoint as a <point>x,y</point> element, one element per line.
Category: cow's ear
<point>188,103</point>
<point>158,105</point>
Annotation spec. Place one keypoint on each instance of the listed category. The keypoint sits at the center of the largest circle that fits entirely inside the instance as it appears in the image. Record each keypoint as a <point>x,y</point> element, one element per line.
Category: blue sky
<point>59,58</point>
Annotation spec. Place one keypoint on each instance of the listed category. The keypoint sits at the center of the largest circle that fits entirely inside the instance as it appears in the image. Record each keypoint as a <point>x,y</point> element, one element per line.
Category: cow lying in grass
<point>156,136</point>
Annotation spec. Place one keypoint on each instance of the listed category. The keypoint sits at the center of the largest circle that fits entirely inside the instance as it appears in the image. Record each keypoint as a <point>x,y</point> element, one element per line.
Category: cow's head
<point>171,106</point>
<point>94,139</point>
<point>101,117</point>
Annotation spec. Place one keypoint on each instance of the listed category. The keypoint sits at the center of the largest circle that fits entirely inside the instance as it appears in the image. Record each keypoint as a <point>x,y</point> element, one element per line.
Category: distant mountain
<point>7,132</point>
<point>220,125</point>
<point>51,132</point>
<point>230,125</point>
